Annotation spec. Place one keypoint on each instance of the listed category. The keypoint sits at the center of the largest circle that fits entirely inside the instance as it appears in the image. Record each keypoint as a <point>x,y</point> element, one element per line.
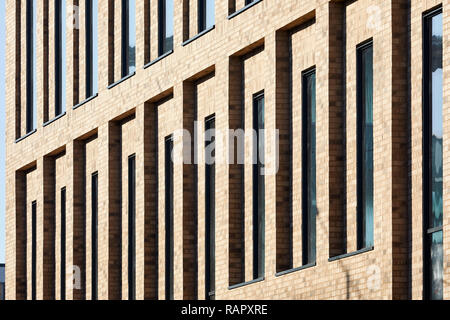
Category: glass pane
<point>311,170</point>
<point>95,46</point>
<point>261,188</point>
<point>437,121</point>
<point>367,78</point>
<point>60,57</point>
<point>437,263</point>
<point>258,188</point>
<point>210,13</point>
<point>132,37</point>
<point>168,34</point>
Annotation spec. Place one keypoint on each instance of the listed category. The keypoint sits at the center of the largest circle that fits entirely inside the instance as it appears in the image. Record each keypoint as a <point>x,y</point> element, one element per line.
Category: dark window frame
<point>90,47</point>
<point>162,28</point>
<point>169,235</point>
<point>361,142</point>
<point>210,216</point>
<point>203,16</point>
<point>428,230</point>
<point>94,237</point>
<point>63,244</point>
<point>125,37</point>
<point>59,29</point>
<point>33,250</point>
<point>258,220</point>
<point>132,227</point>
<point>308,217</point>
<point>31,76</point>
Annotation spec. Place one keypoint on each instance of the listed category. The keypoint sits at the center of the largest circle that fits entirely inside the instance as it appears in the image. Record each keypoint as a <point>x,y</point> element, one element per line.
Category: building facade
<point>345,102</point>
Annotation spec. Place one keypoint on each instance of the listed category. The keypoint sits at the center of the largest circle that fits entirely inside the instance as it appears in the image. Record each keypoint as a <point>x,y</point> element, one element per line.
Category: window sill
<point>168,53</point>
<point>243,284</point>
<point>25,136</point>
<point>54,119</point>
<point>85,101</point>
<point>351,254</point>
<point>198,36</point>
<point>306,266</point>
<point>234,14</point>
<point>121,80</point>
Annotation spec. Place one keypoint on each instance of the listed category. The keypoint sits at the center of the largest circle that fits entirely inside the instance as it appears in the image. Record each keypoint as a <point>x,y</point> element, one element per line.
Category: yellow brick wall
<point>216,72</point>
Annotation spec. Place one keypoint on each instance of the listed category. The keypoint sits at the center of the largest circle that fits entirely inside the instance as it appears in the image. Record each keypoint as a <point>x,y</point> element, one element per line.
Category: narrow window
<point>169,217</point>
<point>63,244</point>
<point>165,26</point>
<point>206,14</point>
<point>91,47</point>
<point>365,145</point>
<point>309,209</point>
<point>33,250</point>
<point>60,57</point>
<point>433,155</point>
<point>128,37</point>
<point>94,220</point>
<point>247,2</point>
<point>210,207</point>
<point>132,227</point>
<point>2,282</point>
<point>258,187</point>
<point>31,66</point>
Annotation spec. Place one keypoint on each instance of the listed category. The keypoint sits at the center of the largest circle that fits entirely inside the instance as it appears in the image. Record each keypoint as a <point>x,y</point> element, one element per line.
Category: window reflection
<point>206,14</point>
<point>165,26</point>
<point>365,146</point>
<point>433,155</point>
<point>309,168</point>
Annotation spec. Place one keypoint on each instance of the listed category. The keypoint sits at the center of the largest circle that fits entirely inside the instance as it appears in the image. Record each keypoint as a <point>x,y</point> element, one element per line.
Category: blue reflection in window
<point>165,26</point>
<point>206,14</point>
<point>31,119</point>
<point>91,47</point>
<point>437,120</point>
<point>433,156</point>
<point>437,265</point>
<point>128,37</point>
<point>60,57</point>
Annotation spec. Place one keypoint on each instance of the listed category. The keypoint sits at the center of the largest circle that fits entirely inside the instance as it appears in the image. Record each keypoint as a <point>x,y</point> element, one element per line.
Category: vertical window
<point>206,14</point>
<point>309,209</point>
<point>60,57</point>
<point>31,66</point>
<point>94,238</point>
<point>132,227</point>
<point>33,250</point>
<point>165,26</point>
<point>433,155</point>
<point>210,207</point>
<point>169,217</point>
<point>91,47</point>
<point>258,187</point>
<point>365,145</point>
<point>63,244</point>
<point>128,37</point>
<point>2,282</point>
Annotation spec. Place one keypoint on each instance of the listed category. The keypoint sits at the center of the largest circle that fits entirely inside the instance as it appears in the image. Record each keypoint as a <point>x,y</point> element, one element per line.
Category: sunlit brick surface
<point>263,48</point>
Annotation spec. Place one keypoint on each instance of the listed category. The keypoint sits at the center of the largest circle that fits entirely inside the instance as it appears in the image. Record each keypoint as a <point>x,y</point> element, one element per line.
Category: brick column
<point>114,213</point>
<point>189,196</point>
<point>48,179</point>
<point>79,218</point>
<point>150,187</point>
<point>236,262</point>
